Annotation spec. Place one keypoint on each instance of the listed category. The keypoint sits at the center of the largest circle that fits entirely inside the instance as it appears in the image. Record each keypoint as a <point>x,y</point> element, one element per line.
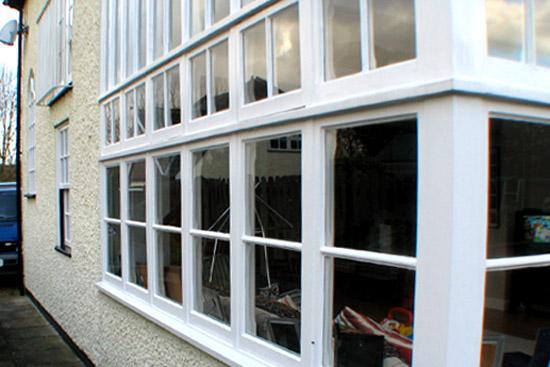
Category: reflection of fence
<point>214,202</point>
<point>279,207</point>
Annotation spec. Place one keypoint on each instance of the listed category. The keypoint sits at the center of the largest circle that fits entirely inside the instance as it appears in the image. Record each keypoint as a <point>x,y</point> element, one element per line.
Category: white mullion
<point>151,238</point>
<point>367,36</point>
<point>237,194</point>
<point>271,242</point>
<point>187,239</point>
<point>125,247</point>
<point>530,32</point>
<point>209,78</point>
<point>210,234</point>
<point>269,52</point>
<point>378,258</point>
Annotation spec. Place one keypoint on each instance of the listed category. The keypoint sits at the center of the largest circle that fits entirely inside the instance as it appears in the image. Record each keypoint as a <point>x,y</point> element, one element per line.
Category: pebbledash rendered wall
<point>109,333</point>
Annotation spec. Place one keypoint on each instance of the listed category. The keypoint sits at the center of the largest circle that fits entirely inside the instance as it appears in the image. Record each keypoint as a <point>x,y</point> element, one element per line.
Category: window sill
<point>29,195</point>
<point>63,251</point>
<point>224,352</point>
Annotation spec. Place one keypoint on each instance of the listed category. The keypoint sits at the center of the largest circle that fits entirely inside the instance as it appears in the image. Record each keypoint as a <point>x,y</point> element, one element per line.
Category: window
<point>207,12</point>
<point>516,293</point>
<point>274,216</point>
<point>168,227</point>
<point>135,112</point>
<point>112,219</point>
<point>519,30</point>
<point>211,217</point>
<point>373,179</point>
<point>31,138</point>
<point>272,56</point>
<point>210,80</point>
<point>167,98</point>
<point>111,118</point>
<point>136,29</point>
<point>367,34</point>
<point>63,186</point>
<point>167,30</point>
<point>54,73</point>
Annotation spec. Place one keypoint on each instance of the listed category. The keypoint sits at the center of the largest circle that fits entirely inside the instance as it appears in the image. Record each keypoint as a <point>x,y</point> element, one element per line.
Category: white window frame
<point>54,76</point>
<point>31,137</point>
<point>63,189</point>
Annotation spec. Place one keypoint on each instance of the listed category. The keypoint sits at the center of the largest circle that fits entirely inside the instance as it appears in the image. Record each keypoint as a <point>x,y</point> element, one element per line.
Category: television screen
<point>537,228</point>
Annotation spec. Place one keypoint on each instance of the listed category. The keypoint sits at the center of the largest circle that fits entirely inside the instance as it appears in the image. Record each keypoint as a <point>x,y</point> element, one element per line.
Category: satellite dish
<point>9,32</point>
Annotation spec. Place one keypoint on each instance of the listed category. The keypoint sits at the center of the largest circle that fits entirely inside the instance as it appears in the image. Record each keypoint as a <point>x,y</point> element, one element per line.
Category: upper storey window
<point>519,30</point>
<point>272,56</point>
<point>54,68</point>
<point>367,34</point>
<point>207,12</point>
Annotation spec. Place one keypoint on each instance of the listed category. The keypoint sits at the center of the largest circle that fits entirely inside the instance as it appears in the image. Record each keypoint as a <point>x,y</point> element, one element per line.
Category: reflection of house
<point>398,189</point>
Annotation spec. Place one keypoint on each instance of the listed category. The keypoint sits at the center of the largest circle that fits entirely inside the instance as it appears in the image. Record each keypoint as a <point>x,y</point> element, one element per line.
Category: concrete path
<point>27,339</point>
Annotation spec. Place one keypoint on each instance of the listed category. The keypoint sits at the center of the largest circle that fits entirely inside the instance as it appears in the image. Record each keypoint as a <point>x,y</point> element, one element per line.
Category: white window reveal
<point>63,186</point>
<point>55,50</point>
<point>272,56</point>
<point>367,34</point>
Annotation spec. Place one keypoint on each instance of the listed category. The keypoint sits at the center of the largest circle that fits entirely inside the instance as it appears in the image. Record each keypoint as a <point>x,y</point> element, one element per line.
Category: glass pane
<point>198,75</point>
<point>519,195</point>
<point>158,96</point>
<point>174,97</point>
<point>140,101</point>
<point>211,189</point>
<point>142,29</point>
<point>197,16</point>
<point>175,23</point>
<point>372,315</point>
<point>169,265</point>
<point>276,299</point>
<point>168,191</point>
<point>130,114</point>
<point>113,243</point>
<point>220,76</point>
<point>220,9</point>
<point>213,277</point>
<point>159,28</point>
<point>116,120</point>
<point>286,50</point>
<point>275,211</point>
<point>505,28</point>
<point>342,38</point>
<point>108,124</point>
<point>136,191</point>
<point>246,2</point>
<point>542,16</point>
<point>393,28</point>
<point>138,256</point>
<point>113,192</point>
<point>118,38</point>
<point>255,72</point>
<point>131,37</point>
<point>516,328</point>
<point>375,187</point>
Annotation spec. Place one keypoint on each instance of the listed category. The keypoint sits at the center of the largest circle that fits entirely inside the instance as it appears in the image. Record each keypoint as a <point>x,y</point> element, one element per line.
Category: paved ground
<point>26,338</point>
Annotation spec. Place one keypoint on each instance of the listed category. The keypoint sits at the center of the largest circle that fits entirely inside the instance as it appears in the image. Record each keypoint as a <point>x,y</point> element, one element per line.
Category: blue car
<point>8,229</point>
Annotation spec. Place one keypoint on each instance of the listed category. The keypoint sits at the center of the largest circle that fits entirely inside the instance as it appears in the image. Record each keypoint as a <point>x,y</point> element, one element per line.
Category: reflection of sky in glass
<point>254,58</point>
<point>505,28</point>
<point>342,38</point>
<point>286,50</point>
<point>197,16</point>
<point>220,76</point>
<point>542,13</point>
<point>393,31</point>
<point>158,86</point>
<point>175,23</point>
<point>198,91</point>
<point>220,9</point>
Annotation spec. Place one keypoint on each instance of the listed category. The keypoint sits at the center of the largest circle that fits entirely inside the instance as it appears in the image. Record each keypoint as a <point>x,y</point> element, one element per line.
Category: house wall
<point>110,334</point>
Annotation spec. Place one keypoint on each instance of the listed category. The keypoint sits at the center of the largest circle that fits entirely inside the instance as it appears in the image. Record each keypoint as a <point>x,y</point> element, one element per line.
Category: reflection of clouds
<point>505,28</point>
<point>287,49</point>
<point>542,12</point>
